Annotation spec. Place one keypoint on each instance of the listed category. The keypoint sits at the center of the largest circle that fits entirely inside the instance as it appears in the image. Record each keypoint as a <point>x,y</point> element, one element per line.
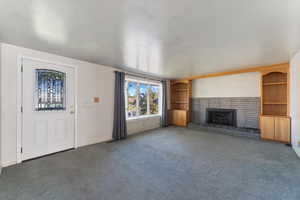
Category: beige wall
<point>295,101</point>
<point>239,85</point>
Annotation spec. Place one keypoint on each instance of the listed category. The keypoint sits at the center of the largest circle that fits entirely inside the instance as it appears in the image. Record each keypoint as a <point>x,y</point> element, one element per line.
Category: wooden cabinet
<point>282,129</point>
<point>179,117</point>
<point>181,93</point>
<point>276,128</point>
<point>267,128</point>
<point>275,120</point>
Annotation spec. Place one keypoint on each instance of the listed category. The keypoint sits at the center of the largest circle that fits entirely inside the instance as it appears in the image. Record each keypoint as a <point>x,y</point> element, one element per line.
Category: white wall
<point>142,124</point>
<point>94,120</point>
<point>0,111</point>
<point>295,101</point>
<point>239,85</point>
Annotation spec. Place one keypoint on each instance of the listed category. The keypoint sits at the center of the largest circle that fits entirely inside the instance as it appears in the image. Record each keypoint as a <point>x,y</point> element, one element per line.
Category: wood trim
<point>288,117</point>
<point>262,69</point>
<point>186,81</point>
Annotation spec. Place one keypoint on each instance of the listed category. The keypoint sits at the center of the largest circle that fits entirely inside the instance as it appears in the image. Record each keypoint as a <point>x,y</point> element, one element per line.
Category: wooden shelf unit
<point>275,120</point>
<point>275,93</point>
<point>275,103</point>
<point>181,94</point>
<point>275,83</point>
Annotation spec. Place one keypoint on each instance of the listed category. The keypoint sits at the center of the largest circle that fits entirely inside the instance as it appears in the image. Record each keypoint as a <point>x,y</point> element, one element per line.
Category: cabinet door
<point>267,127</point>
<point>175,117</point>
<point>282,129</point>
<point>170,117</point>
<point>182,117</point>
<point>179,117</point>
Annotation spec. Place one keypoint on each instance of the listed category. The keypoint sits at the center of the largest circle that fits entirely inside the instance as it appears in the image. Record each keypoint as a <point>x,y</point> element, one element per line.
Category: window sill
<point>142,117</point>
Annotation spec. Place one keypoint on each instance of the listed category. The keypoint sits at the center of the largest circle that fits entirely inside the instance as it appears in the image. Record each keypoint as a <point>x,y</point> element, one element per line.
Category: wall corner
<point>0,108</point>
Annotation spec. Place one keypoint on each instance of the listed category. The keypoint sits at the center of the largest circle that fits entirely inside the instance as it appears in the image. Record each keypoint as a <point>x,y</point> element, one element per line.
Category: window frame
<point>149,83</point>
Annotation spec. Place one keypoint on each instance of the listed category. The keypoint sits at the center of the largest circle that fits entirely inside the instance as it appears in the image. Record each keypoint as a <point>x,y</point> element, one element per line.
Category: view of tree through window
<point>143,95</point>
<point>142,99</point>
<point>132,99</point>
<point>154,99</point>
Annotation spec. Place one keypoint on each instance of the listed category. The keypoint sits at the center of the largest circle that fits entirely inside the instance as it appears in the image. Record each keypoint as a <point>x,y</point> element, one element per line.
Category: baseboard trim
<point>7,164</point>
<point>297,150</point>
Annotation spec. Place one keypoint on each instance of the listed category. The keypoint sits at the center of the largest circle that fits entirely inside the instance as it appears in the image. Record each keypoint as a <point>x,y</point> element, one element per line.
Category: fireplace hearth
<point>219,116</point>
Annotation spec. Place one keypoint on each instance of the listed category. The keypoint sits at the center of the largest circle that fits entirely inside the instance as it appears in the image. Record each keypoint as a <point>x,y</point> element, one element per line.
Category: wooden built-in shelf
<point>275,93</point>
<point>181,94</point>
<point>275,116</point>
<point>180,90</point>
<point>275,83</point>
<point>180,102</point>
<point>274,120</point>
<point>275,103</point>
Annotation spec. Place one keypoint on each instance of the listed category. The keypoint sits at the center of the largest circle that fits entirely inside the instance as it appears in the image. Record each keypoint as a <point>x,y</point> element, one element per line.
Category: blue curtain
<point>120,127</point>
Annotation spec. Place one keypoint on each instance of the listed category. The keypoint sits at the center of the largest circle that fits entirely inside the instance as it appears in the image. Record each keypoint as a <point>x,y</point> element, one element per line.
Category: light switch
<point>96,99</point>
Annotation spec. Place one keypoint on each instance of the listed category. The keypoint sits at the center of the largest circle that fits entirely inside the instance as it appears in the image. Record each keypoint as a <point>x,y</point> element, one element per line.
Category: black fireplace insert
<point>221,116</point>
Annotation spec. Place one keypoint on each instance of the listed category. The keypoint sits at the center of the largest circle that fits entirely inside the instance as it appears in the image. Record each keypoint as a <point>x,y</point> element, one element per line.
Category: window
<point>154,99</point>
<point>142,98</point>
<point>132,99</point>
<point>50,90</point>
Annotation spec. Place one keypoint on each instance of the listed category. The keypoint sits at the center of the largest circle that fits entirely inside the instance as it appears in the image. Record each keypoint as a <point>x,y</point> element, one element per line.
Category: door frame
<point>20,101</point>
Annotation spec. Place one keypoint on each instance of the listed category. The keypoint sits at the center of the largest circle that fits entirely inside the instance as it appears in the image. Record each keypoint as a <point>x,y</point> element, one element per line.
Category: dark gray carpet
<point>172,163</point>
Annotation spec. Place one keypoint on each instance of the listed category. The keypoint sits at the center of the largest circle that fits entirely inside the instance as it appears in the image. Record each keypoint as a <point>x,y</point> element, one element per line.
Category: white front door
<point>48,122</point>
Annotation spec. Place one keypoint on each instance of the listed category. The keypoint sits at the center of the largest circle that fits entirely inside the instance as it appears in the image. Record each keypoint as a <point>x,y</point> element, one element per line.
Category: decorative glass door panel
<point>50,90</point>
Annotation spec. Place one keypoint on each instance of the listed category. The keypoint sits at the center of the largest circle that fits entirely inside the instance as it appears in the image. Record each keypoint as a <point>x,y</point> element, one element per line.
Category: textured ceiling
<point>168,38</point>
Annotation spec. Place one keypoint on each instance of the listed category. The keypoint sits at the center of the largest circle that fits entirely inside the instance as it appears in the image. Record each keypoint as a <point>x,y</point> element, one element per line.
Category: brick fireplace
<point>245,110</point>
